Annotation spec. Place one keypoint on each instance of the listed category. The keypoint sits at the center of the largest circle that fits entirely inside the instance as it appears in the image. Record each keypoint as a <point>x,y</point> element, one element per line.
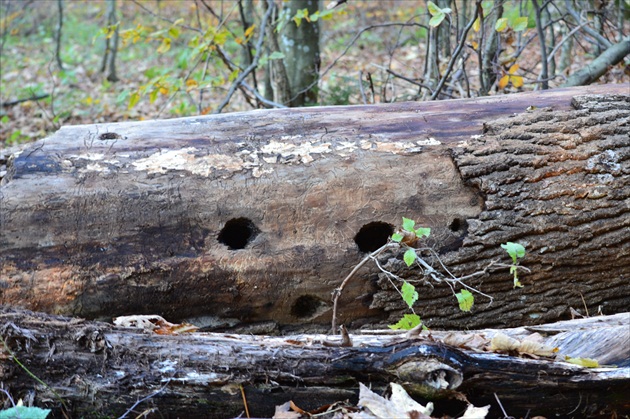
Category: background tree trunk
<point>300,45</point>
<point>255,218</point>
<point>96,368</point>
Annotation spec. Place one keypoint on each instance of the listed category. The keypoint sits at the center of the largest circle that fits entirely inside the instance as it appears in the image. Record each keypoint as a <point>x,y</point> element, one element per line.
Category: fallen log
<point>97,368</point>
<point>253,219</point>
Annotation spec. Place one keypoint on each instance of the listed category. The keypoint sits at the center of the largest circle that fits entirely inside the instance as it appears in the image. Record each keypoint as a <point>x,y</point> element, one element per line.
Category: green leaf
<point>434,9</point>
<point>233,75</point>
<point>408,322</point>
<point>423,231</point>
<point>582,362</point>
<point>122,97</point>
<point>174,32</point>
<point>153,95</point>
<point>5,119</point>
<point>465,300</point>
<point>409,293</point>
<point>133,100</point>
<point>487,6</point>
<point>23,412</point>
<point>520,24</point>
<point>408,224</point>
<point>276,55</point>
<point>409,257</point>
<point>436,20</point>
<point>515,250</point>
<point>397,237</point>
<point>501,24</point>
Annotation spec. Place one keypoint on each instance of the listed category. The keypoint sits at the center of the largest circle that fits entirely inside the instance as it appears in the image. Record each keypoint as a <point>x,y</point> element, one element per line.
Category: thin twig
<point>144,399</point>
<point>65,409</point>
<point>253,65</point>
<point>350,44</point>
<point>460,46</point>
<point>505,415</point>
<point>337,291</point>
<point>244,400</point>
<point>261,98</point>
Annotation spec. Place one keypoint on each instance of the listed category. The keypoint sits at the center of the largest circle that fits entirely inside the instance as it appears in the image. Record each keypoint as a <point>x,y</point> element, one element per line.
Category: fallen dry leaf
<point>400,405</point>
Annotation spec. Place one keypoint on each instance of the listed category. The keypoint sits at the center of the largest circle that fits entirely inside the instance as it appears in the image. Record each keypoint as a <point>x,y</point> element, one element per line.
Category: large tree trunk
<point>229,220</point>
<point>96,368</point>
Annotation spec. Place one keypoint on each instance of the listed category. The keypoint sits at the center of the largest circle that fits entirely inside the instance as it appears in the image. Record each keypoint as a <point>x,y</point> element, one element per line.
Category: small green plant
<point>22,412</point>
<point>516,251</point>
<point>408,237</point>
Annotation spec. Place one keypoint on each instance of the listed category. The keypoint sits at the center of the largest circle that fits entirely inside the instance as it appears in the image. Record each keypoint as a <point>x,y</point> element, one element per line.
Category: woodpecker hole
<point>306,306</point>
<point>238,233</point>
<point>458,224</point>
<point>109,136</point>
<point>373,236</point>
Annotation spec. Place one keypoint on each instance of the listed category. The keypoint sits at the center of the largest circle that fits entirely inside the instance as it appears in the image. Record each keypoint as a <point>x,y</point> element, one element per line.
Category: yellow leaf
<point>517,81</point>
<point>249,31</point>
<point>513,69</point>
<point>477,25</point>
<point>191,84</point>
<point>474,44</point>
<point>583,362</point>
<point>501,24</point>
<point>504,82</point>
<point>164,46</point>
<point>164,90</point>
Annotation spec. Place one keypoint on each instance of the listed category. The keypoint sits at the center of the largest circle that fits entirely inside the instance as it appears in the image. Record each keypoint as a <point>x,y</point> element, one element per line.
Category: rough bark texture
<point>558,183</point>
<point>98,369</point>
<point>254,218</point>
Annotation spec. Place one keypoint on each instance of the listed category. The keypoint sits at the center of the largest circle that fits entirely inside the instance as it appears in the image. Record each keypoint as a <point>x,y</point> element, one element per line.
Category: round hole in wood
<point>109,136</point>
<point>458,224</point>
<point>373,235</point>
<point>305,306</point>
<point>238,233</point>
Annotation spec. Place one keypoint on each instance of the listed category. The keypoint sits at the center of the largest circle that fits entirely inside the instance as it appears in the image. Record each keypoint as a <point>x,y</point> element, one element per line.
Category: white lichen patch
<point>293,152</point>
<point>260,160</point>
<point>429,141</point>
<point>87,156</point>
<point>185,159</point>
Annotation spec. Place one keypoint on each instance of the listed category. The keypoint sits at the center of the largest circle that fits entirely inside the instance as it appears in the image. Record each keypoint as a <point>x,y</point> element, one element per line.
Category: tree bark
<point>300,45</point>
<point>253,219</point>
<point>96,368</point>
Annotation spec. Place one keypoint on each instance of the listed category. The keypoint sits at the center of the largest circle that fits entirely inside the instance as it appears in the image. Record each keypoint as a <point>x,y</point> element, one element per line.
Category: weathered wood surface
<point>98,368</point>
<point>149,217</point>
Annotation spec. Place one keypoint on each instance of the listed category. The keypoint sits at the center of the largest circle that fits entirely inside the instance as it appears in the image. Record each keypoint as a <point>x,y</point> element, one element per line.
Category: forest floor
<point>80,93</point>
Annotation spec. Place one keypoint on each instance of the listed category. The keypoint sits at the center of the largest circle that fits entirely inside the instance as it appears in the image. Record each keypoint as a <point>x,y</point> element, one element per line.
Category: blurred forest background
<point>88,61</point>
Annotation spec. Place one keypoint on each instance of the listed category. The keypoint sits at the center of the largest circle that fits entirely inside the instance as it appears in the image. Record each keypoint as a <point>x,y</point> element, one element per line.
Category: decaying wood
<point>98,368</point>
<point>253,219</point>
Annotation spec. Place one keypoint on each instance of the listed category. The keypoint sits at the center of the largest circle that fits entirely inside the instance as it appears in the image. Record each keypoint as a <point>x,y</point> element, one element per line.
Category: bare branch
<point>253,65</point>
<point>458,50</point>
